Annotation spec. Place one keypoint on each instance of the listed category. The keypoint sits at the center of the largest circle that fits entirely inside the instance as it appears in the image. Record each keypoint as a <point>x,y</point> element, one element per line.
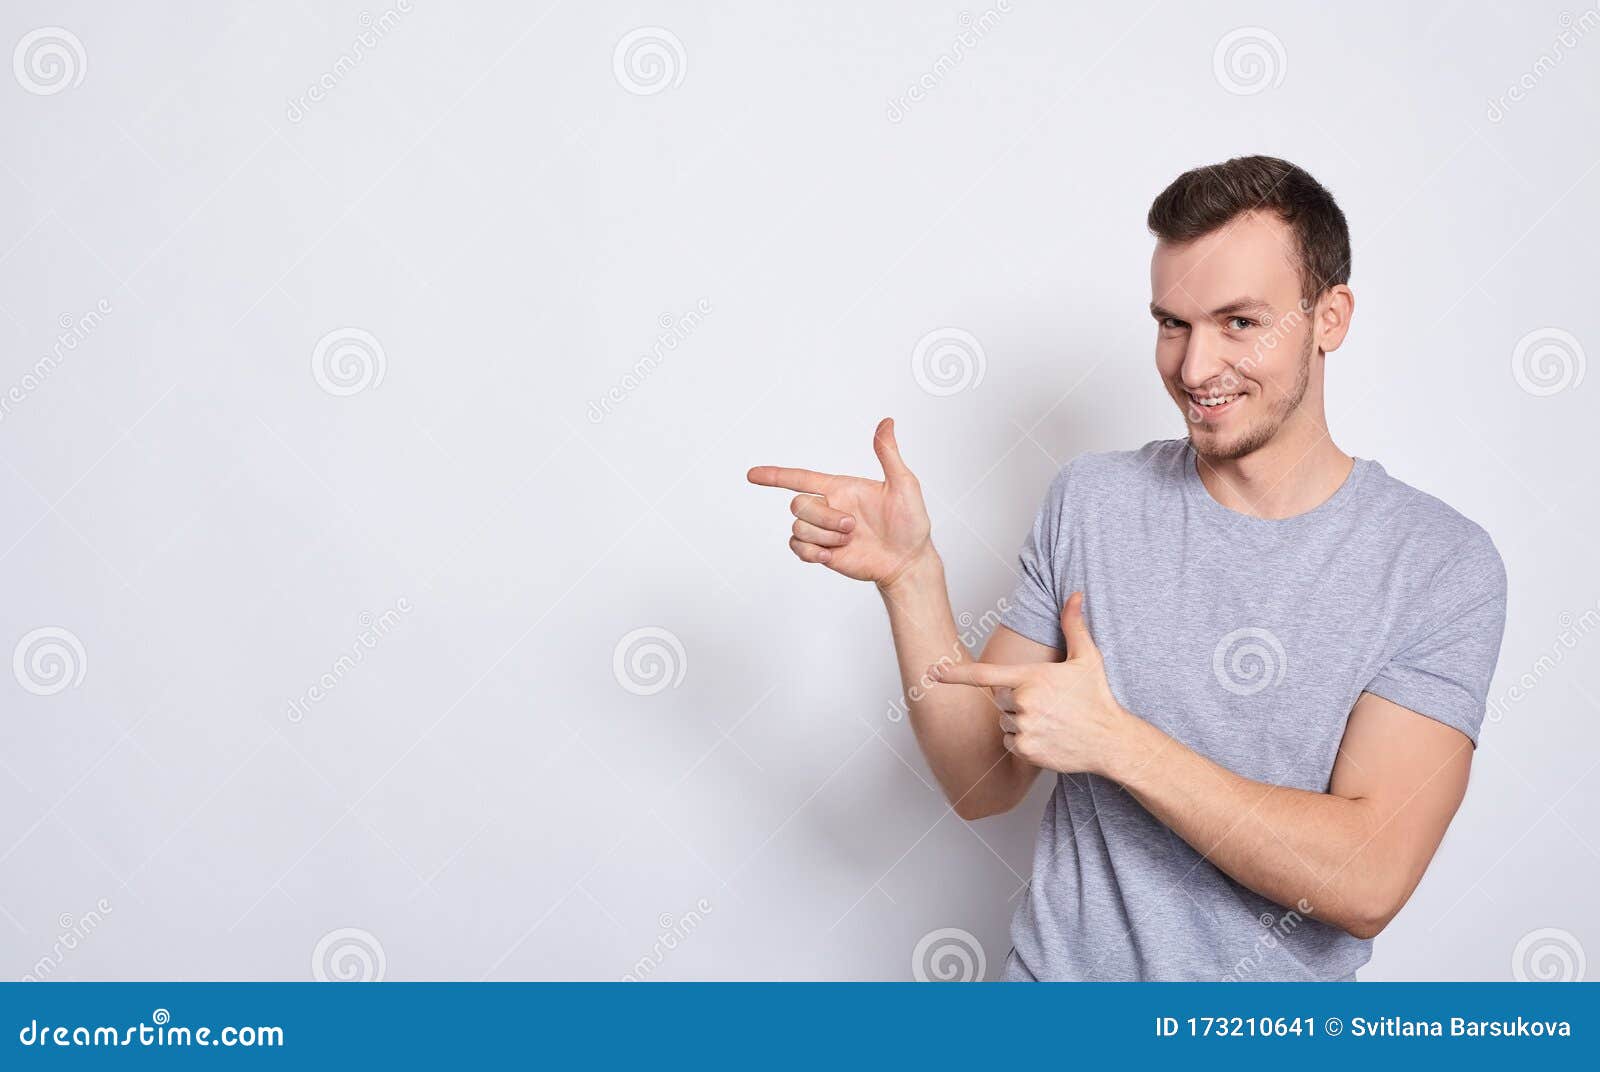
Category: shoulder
<point>1452,548</point>
<point>1119,471</point>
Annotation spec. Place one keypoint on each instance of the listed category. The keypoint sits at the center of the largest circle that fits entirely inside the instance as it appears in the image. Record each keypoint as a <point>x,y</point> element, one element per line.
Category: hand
<point>871,530</point>
<point>1060,716</point>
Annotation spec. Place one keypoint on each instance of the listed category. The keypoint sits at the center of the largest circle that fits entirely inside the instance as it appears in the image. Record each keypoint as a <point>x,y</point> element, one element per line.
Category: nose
<point>1203,359</point>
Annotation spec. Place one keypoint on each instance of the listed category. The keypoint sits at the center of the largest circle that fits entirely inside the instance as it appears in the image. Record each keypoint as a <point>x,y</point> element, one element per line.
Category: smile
<point>1211,407</point>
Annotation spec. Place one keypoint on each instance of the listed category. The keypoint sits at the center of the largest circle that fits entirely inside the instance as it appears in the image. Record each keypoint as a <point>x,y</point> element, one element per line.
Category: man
<point>1256,664</point>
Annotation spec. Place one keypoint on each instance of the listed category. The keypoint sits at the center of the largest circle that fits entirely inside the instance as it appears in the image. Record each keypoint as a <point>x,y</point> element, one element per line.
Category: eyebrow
<point>1237,305</point>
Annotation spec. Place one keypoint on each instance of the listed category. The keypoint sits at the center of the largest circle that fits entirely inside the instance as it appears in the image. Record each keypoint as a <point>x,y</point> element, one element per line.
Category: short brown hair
<point>1203,199</point>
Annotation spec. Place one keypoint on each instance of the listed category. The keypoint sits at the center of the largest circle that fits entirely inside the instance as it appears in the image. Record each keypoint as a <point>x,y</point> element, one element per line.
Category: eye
<point>1240,323</point>
<point>1172,323</point>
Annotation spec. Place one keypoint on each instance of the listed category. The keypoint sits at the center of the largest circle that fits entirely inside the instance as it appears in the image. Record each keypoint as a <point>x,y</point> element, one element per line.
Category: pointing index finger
<point>989,674</point>
<point>776,476</point>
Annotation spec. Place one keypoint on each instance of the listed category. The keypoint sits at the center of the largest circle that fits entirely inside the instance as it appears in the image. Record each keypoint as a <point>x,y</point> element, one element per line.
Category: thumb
<point>1076,630</point>
<point>894,466</point>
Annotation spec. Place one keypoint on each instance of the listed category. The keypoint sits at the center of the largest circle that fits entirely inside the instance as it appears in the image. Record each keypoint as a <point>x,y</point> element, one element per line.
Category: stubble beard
<point>1260,433</point>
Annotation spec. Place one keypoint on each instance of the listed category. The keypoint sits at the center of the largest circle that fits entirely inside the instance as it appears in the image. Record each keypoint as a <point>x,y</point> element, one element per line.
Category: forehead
<point>1251,254</point>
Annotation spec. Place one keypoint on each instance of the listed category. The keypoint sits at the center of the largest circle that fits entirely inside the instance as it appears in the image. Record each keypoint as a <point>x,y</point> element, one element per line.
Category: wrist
<point>923,567</point>
<point>1133,745</point>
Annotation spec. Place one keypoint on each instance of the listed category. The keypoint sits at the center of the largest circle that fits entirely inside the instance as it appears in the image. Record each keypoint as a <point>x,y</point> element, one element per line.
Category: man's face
<point>1233,339</point>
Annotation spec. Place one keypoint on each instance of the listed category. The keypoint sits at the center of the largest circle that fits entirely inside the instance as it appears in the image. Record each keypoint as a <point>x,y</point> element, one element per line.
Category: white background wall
<point>485,197</point>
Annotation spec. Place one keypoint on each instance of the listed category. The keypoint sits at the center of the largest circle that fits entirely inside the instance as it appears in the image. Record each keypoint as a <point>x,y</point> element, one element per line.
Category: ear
<point>1331,317</point>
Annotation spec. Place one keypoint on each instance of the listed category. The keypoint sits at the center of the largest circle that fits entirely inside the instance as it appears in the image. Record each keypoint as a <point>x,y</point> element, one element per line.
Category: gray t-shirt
<point>1249,641</point>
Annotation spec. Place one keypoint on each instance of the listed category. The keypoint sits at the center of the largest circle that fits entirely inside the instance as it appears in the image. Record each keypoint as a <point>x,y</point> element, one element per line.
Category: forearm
<point>1320,854</point>
<point>957,729</point>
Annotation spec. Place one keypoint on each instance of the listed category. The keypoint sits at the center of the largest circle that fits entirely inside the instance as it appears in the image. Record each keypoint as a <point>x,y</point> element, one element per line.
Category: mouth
<point>1208,408</point>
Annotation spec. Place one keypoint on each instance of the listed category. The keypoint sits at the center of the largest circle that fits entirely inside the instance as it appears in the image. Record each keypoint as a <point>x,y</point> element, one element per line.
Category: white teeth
<point>1209,402</point>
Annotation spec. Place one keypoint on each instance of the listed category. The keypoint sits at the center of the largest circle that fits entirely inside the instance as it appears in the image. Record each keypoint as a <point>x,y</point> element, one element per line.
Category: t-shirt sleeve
<point>1443,668</point>
<point>1034,607</point>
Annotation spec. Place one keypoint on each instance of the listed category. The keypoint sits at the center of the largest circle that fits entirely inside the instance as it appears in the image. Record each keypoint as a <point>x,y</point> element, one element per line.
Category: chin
<point>1217,446</point>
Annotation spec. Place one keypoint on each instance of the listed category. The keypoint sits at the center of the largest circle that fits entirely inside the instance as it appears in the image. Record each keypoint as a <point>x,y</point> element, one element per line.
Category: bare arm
<point>1351,856</point>
<point>957,729</point>
<point>879,531</point>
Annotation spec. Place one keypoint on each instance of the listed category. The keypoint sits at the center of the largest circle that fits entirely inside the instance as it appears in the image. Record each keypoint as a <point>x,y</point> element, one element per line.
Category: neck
<point>1298,470</point>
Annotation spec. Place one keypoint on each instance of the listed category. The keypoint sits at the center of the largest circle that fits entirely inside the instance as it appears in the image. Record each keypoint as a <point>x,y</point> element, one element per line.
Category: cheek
<point>1267,370</point>
<point>1273,363</point>
<point>1169,357</point>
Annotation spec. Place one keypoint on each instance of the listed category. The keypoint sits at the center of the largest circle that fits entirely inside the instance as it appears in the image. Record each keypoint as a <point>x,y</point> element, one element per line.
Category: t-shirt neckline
<point>1198,494</point>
